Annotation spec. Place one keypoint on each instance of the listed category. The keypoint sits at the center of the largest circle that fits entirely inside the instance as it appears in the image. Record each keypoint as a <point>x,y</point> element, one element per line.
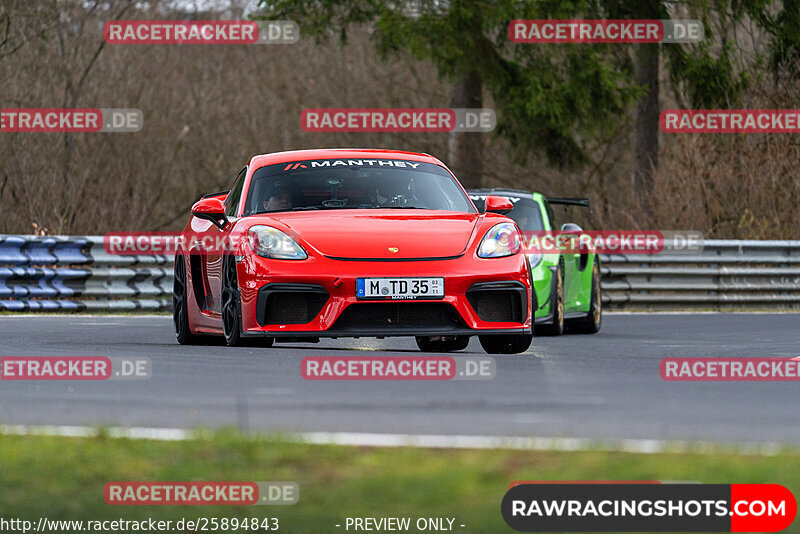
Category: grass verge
<point>63,478</point>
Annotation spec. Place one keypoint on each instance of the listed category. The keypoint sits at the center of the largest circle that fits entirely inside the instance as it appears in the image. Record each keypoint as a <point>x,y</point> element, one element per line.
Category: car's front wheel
<point>231,304</point>
<point>506,344</point>
<point>442,343</point>
<point>232,310</point>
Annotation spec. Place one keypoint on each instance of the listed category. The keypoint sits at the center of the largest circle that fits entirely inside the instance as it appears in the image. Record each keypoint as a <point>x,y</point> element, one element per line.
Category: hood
<point>361,234</point>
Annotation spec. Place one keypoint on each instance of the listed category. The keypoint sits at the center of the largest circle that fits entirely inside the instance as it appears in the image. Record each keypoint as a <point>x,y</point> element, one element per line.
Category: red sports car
<point>350,243</point>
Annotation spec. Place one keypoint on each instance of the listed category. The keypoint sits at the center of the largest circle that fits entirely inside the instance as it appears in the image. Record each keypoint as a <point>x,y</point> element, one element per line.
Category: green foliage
<point>553,99</point>
<point>550,98</point>
<point>708,81</point>
<point>785,30</point>
<point>557,96</point>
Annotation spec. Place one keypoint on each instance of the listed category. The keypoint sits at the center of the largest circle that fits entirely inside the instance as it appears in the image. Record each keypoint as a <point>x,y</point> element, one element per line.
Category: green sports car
<point>566,285</point>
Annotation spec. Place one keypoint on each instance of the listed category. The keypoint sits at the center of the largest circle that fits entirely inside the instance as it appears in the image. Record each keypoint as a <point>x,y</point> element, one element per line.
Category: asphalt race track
<point>605,386</point>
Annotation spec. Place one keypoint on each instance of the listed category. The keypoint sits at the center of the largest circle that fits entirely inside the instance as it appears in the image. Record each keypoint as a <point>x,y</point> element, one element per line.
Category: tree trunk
<point>465,149</point>
<point>646,130</point>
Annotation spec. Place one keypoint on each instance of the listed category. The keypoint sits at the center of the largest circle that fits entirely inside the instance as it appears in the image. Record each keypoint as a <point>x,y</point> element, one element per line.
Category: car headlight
<point>501,240</point>
<point>535,259</point>
<point>270,242</point>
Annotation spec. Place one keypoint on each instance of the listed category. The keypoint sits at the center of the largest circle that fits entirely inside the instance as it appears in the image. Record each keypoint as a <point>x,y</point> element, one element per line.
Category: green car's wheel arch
<point>593,320</point>
<point>556,328</point>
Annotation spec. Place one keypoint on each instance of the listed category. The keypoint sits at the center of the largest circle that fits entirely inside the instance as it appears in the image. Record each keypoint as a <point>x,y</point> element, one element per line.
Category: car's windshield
<point>526,212</point>
<point>354,184</point>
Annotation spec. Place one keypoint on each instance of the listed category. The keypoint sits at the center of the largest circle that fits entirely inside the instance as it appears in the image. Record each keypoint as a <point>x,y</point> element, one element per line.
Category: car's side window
<point>232,202</point>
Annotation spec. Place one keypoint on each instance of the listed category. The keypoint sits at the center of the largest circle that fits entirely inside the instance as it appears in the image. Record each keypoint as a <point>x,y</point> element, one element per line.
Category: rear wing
<point>583,202</point>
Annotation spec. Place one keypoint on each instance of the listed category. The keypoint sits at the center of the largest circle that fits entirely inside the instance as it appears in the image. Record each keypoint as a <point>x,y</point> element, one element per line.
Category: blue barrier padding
<point>71,251</point>
<point>64,275</point>
<point>12,305</point>
<point>70,305</point>
<point>48,305</point>
<point>19,290</point>
<point>5,274</point>
<point>10,251</point>
<point>39,251</point>
<point>16,282</point>
<point>43,288</point>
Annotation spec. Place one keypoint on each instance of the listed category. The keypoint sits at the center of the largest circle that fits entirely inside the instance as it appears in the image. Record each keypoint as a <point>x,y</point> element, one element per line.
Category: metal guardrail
<point>63,273</point>
<point>726,274</point>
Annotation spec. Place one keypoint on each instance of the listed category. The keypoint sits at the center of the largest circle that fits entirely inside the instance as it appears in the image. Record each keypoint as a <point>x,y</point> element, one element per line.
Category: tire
<point>557,305</point>
<point>180,310</point>
<point>593,320</point>
<point>231,304</point>
<point>450,344</point>
<point>506,344</point>
<point>232,310</point>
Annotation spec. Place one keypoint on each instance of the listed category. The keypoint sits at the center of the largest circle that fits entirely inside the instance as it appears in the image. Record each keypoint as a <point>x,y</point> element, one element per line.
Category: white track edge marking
<point>363,439</point>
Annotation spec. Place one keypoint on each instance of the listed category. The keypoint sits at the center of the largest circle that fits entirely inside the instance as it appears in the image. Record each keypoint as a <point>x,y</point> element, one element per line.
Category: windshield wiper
<point>334,203</point>
<point>298,208</point>
<point>340,207</point>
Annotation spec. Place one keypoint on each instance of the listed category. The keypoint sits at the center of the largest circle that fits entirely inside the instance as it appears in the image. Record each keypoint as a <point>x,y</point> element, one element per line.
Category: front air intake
<point>499,302</point>
<point>289,303</point>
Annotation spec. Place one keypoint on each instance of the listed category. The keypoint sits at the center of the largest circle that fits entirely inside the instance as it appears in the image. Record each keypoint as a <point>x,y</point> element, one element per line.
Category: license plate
<point>399,288</point>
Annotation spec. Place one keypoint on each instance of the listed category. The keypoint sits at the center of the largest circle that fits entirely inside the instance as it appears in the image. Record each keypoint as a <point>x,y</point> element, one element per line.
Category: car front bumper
<point>284,298</point>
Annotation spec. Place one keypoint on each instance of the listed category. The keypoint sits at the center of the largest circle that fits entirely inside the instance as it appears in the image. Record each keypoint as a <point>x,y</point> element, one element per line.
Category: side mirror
<point>211,209</point>
<point>575,231</point>
<point>496,204</point>
<point>222,196</point>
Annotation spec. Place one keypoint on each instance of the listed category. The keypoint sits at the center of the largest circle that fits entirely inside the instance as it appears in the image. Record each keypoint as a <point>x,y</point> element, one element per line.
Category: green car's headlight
<point>500,241</point>
<point>535,259</point>
<point>270,242</point>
